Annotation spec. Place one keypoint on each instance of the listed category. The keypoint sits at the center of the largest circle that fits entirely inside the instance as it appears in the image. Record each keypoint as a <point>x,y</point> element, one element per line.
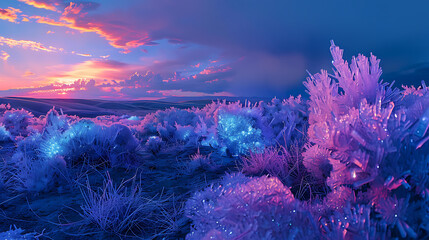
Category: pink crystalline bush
<point>375,139</point>
<point>348,114</point>
<point>248,208</point>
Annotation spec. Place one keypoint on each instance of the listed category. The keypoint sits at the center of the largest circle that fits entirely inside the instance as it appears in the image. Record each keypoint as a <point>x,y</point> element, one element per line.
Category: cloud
<point>36,46</point>
<point>49,21</point>
<point>44,4</point>
<point>28,74</point>
<point>84,54</point>
<point>89,89</point>
<point>75,16</point>
<point>9,14</point>
<point>91,69</point>
<point>280,33</point>
<point>112,79</point>
<point>73,9</point>
<point>260,54</point>
<point>27,44</point>
<point>4,55</point>
<point>113,29</point>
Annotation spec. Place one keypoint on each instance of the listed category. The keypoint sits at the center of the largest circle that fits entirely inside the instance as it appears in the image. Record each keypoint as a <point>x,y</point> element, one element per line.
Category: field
<point>349,160</point>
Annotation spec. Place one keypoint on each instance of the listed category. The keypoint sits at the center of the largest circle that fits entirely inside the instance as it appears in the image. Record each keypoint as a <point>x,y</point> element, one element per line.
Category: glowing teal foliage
<point>239,134</point>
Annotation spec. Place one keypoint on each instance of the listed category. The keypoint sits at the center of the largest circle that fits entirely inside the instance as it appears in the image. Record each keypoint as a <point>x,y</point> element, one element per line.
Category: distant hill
<point>95,107</point>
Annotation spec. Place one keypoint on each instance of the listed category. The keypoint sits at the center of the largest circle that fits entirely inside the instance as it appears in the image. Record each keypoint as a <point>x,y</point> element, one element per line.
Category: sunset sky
<point>150,49</point>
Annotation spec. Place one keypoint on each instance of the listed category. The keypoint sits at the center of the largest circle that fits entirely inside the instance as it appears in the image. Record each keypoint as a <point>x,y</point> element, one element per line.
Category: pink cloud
<point>28,74</point>
<point>9,14</point>
<point>44,4</point>
<point>113,30</point>
<point>4,55</point>
<point>73,9</point>
<point>91,69</point>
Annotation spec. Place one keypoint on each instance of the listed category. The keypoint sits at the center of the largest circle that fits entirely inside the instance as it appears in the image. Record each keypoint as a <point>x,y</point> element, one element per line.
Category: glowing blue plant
<point>4,134</point>
<point>238,133</point>
<point>87,141</point>
<point>15,233</point>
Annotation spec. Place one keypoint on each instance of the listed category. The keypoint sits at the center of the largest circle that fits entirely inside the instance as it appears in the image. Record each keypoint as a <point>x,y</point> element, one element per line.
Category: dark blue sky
<point>149,49</point>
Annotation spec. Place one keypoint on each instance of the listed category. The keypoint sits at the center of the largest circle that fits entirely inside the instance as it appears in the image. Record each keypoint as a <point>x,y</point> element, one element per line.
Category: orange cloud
<point>91,69</point>
<point>118,35</point>
<point>9,14</point>
<point>49,5</point>
<point>49,21</point>
<point>4,55</point>
<point>28,74</point>
<point>35,46</point>
<point>84,54</point>
<point>115,40</point>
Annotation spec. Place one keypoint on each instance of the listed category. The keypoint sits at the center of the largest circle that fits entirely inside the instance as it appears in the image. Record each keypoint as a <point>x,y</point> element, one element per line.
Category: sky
<point>152,49</point>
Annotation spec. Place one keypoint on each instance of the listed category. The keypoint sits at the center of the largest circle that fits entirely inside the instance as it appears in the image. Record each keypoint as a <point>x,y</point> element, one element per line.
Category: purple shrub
<point>286,120</point>
<point>248,208</point>
<point>316,161</point>
<point>154,144</point>
<point>273,160</point>
<point>17,121</point>
<point>350,222</point>
<point>394,213</point>
<point>199,161</point>
<point>15,233</point>
<point>164,123</point>
<point>27,174</point>
<point>119,209</point>
<point>339,197</point>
